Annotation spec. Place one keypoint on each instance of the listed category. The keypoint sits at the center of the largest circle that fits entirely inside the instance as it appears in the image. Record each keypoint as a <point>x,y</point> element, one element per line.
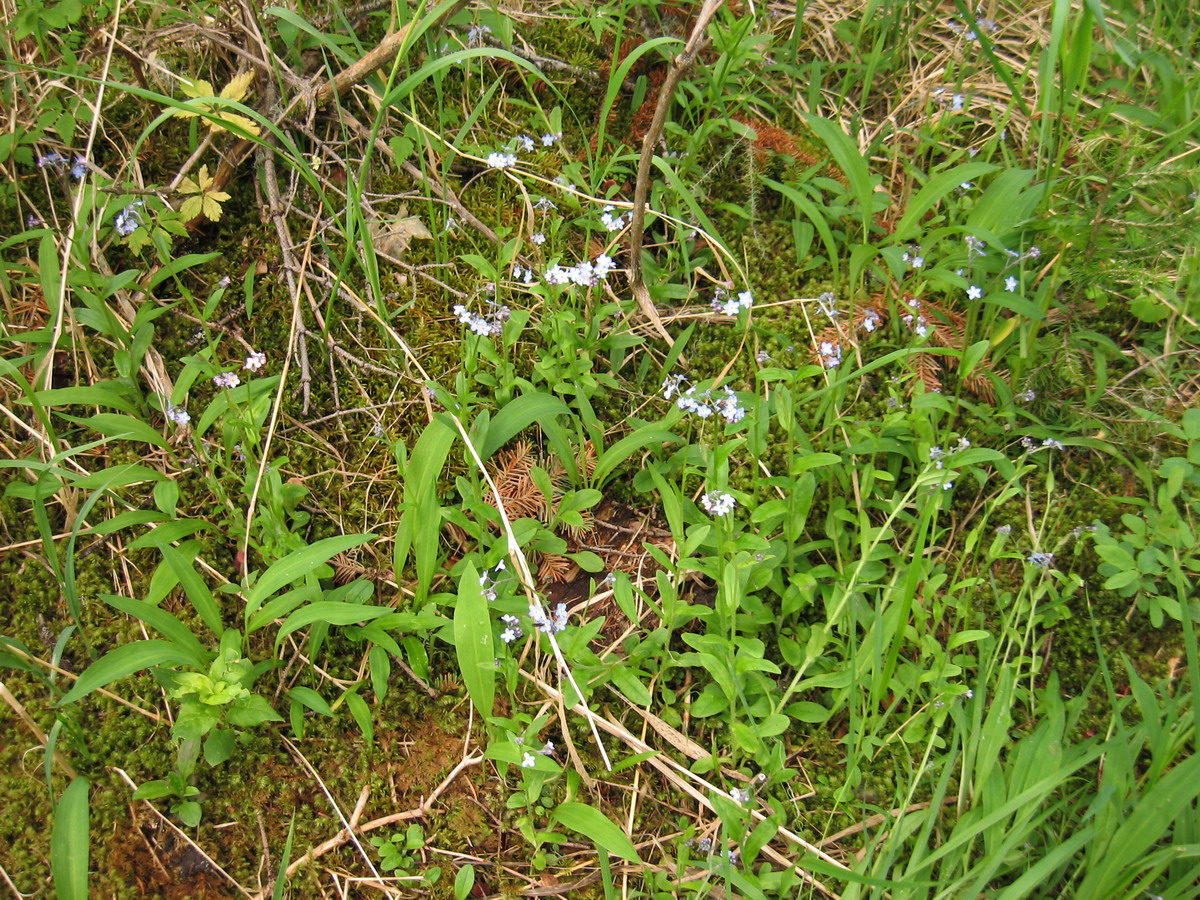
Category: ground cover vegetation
<point>640,449</point>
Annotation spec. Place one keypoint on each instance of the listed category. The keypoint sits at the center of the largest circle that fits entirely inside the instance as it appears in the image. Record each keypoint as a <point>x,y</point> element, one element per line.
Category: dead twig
<point>666,97</point>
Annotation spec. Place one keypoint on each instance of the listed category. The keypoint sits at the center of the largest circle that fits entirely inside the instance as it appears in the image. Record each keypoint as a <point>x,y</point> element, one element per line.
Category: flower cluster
<point>916,319</point>
<point>871,319</point>
<point>255,361</point>
<point>57,161</point>
<point>501,160</point>
<point>584,274</point>
<point>732,305</point>
<point>227,380</point>
<point>938,456</point>
<point>954,101</point>
<point>178,415</point>
<point>128,220</point>
<point>971,29</point>
<point>481,324</point>
<point>1047,444</point>
<point>830,354</point>
<point>611,222</point>
<point>1041,560</point>
<point>702,403</point>
<point>488,580</point>
<point>718,503</point>
<point>512,631</point>
<point>528,760</point>
<point>546,624</point>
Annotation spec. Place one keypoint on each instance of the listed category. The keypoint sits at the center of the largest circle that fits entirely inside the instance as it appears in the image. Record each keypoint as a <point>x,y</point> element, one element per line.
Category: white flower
<point>178,415</point>
<point>549,140</point>
<point>611,222</point>
<point>255,361</point>
<point>870,321</point>
<point>548,749</point>
<point>718,503</point>
<point>538,238</point>
<point>917,262</point>
<point>501,161</point>
<point>729,408</point>
<point>526,143</point>
<point>528,761</point>
<point>671,386</point>
<point>1010,283</point>
<point>974,292</point>
<point>227,380</point>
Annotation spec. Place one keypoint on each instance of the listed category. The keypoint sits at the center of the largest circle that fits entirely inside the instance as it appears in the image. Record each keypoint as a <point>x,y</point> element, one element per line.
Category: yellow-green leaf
<point>212,209</point>
<point>236,89</point>
<point>198,88</point>
<point>191,207</point>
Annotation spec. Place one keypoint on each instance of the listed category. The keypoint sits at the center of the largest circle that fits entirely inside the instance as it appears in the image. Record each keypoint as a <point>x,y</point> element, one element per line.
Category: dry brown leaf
<point>392,238</point>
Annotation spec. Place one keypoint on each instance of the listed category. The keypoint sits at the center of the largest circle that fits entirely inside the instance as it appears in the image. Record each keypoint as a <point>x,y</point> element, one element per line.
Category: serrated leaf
<point>211,207</point>
<point>191,207</point>
<point>197,88</point>
<point>238,88</point>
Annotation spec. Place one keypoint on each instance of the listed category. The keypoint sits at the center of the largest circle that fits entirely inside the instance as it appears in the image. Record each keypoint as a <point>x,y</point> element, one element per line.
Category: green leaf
<point>310,698</point>
<point>164,623</point>
<point>473,642</point>
<point>119,427</point>
<point>362,715</point>
<point>593,824</point>
<point>99,394</point>
<point>298,564</point>
<point>846,154</point>
<point>420,525</point>
<point>218,746</point>
<point>123,661</point>
<point>70,842</point>
<point>251,710</point>
<point>331,612</point>
<point>464,881</point>
<point>934,190</point>
<point>646,435</point>
<point>197,591</point>
<point>516,416</point>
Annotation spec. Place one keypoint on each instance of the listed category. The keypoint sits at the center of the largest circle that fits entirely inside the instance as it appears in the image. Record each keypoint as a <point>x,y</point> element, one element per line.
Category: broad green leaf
<point>119,427</point>
<point>516,416</point>
<point>99,394</point>
<point>473,643</point>
<point>330,612</point>
<point>126,660</point>
<point>164,623</point>
<point>197,591</point>
<point>362,715</point>
<point>420,525</point>
<point>70,842</point>
<point>850,160</point>
<point>310,698</point>
<point>645,436</point>
<point>935,189</point>
<point>593,824</point>
<point>298,564</point>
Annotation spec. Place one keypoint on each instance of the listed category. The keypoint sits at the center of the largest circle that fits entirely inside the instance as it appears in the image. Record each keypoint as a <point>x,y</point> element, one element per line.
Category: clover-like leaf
<point>207,200</point>
<point>218,118</point>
